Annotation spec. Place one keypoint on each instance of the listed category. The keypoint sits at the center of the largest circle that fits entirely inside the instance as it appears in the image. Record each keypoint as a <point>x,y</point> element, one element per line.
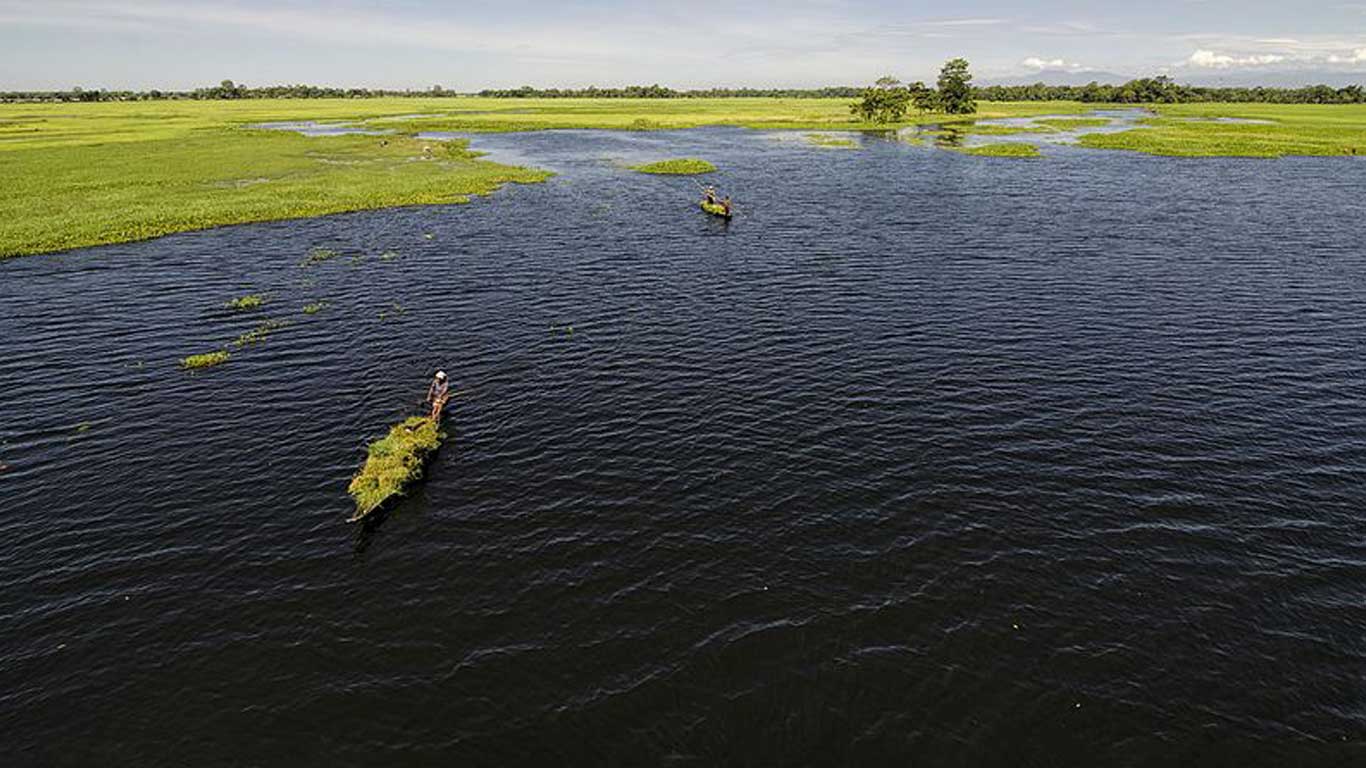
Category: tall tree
<point>923,98</point>
<point>955,88</point>
<point>885,102</point>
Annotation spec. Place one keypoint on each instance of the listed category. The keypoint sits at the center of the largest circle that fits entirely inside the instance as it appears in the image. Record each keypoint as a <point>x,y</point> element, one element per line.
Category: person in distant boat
<point>438,393</point>
<point>726,204</point>
<point>710,192</point>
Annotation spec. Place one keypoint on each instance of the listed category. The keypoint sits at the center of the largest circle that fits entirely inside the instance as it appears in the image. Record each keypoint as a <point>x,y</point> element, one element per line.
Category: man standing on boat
<point>438,393</point>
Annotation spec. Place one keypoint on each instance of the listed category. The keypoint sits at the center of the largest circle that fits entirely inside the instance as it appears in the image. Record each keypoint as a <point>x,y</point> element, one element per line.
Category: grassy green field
<point>91,174</point>
<point>494,115</point>
<point>96,173</point>
<point>1190,130</point>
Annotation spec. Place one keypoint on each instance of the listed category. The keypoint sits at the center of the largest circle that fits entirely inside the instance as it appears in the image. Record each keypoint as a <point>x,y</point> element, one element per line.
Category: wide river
<point>953,460</point>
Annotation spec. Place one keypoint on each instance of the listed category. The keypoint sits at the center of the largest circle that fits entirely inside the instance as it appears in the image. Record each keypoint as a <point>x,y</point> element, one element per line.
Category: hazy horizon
<point>414,44</point>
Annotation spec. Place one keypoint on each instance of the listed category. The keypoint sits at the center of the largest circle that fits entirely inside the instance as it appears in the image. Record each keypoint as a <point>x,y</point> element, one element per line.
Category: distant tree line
<point>1164,90</point>
<point>226,90</point>
<point>661,92</point>
<point>1155,90</point>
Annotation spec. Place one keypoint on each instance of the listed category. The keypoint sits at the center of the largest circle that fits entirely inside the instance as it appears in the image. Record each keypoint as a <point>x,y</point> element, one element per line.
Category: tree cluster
<point>887,101</point>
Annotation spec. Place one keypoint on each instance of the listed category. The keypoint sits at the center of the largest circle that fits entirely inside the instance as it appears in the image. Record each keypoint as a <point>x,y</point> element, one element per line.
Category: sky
<point>467,46</point>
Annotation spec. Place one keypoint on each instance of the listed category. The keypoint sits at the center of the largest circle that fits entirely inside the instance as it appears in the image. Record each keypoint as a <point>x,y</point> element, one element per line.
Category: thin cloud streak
<point>764,42</point>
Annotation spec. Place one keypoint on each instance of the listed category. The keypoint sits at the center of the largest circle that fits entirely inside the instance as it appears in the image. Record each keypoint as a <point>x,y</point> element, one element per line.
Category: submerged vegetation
<point>244,303</point>
<point>319,255</point>
<point>393,462</point>
<point>687,166</point>
<point>1073,123</point>
<point>830,142</point>
<point>980,129</point>
<point>206,360</point>
<point>1001,150</point>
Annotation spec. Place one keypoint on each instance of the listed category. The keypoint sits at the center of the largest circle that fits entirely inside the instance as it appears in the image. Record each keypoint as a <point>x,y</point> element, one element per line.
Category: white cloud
<point>964,23</point>
<point>1230,53</point>
<point>1036,63</point>
<point>1355,57</point>
<point>1212,60</point>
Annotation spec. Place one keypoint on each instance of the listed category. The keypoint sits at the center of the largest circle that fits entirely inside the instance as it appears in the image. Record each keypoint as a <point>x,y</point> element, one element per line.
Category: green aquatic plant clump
<point>259,334</point>
<point>1019,150</point>
<point>688,166</point>
<point>319,255</point>
<point>315,307</point>
<point>393,462</point>
<point>245,303</point>
<point>206,360</point>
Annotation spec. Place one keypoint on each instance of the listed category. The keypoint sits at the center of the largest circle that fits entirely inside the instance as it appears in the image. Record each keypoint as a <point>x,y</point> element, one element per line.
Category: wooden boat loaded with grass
<point>393,463</point>
<point>717,209</point>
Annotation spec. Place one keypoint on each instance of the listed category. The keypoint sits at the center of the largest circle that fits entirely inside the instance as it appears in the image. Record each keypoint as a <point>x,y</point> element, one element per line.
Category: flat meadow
<point>85,174</point>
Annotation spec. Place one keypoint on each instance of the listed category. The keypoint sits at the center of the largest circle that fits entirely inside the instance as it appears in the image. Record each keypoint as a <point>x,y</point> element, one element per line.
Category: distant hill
<point>1059,77</point>
<point>1285,79</point>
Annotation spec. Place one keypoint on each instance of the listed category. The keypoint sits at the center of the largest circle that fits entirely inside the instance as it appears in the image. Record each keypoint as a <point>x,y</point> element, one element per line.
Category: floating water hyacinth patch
<point>245,303</point>
<point>687,166</point>
<point>259,334</point>
<point>206,360</point>
<point>319,255</point>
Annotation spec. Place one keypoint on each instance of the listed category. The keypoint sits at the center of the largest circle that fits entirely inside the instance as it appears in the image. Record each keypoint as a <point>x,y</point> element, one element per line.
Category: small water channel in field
<point>976,460</point>
<point>317,129</point>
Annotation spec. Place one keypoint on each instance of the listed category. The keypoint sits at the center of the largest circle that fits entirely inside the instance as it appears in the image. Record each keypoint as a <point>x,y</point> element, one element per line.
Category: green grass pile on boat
<point>253,301</point>
<point>206,360</point>
<point>394,462</point>
<point>688,166</point>
<point>716,209</point>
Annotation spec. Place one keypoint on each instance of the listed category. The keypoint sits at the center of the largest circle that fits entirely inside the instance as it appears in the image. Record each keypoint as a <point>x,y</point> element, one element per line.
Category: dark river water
<point>923,459</point>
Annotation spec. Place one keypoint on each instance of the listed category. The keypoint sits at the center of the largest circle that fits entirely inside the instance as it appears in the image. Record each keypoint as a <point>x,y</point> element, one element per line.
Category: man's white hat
<point>441,374</point>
